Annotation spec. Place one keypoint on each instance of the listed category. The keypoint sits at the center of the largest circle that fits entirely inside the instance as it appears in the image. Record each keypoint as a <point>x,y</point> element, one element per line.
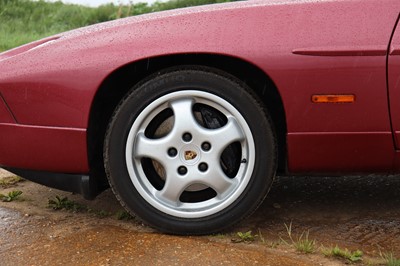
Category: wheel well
<point>120,81</point>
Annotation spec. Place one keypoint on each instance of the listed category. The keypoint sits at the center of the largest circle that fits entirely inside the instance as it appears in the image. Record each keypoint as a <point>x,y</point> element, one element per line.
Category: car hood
<point>157,18</point>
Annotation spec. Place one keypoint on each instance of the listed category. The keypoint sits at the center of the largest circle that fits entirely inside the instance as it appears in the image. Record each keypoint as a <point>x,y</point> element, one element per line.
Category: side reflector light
<point>333,98</point>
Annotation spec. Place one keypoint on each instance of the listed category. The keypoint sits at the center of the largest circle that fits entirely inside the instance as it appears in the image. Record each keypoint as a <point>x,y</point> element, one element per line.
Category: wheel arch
<point>117,84</point>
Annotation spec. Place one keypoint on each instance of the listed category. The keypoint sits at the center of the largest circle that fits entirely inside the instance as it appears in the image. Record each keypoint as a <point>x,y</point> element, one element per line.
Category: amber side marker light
<point>333,98</point>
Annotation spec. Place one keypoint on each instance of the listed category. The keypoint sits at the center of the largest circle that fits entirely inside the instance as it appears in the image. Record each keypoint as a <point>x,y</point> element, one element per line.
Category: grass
<point>349,256</point>
<point>390,259</point>
<point>11,196</point>
<point>271,244</point>
<point>260,235</point>
<point>23,21</point>
<point>301,243</point>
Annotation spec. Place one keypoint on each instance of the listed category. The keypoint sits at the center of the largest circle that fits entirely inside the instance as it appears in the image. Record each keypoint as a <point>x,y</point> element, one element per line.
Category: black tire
<point>190,151</point>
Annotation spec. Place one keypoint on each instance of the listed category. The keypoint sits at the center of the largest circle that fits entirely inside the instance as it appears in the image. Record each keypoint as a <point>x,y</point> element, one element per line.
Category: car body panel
<point>394,83</point>
<point>52,149</point>
<point>359,152</point>
<point>5,114</point>
<point>305,47</point>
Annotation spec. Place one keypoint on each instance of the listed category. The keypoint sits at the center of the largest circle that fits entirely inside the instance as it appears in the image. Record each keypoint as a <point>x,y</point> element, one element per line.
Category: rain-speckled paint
<point>305,47</point>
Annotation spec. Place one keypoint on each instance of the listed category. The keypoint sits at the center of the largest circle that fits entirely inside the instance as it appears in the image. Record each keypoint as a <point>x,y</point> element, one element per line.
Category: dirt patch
<point>351,212</point>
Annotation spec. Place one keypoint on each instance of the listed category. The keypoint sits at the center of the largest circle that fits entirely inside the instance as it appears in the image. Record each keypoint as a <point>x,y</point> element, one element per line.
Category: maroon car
<point>189,114</point>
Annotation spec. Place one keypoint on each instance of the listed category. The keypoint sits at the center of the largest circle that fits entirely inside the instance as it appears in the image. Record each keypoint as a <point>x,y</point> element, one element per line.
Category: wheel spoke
<point>172,190</point>
<point>226,135</point>
<point>218,181</point>
<point>151,148</point>
<point>183,116</point>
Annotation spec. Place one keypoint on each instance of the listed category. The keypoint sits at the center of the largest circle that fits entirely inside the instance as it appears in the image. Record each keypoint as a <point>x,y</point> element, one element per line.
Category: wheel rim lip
<point>189,210</point>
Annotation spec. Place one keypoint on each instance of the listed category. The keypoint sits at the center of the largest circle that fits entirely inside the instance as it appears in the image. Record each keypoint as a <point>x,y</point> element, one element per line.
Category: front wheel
<point>190,151</point>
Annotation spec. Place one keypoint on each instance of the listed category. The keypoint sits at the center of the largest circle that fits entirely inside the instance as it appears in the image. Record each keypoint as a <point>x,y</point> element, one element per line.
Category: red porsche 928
<point>189,114</point>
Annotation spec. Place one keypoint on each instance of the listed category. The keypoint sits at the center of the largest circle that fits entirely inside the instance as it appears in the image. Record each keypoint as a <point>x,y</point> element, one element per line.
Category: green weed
<point>123,215</point>
<point>60,203</point>
<point>219,236</point>
<point>244,237</point>
<point>11,196</point>
<point>10,181</point>
<point>350,256</point>
<point>99,213</point>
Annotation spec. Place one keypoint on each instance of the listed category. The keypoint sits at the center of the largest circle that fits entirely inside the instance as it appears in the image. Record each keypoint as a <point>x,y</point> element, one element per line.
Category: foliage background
<point>22,21</point>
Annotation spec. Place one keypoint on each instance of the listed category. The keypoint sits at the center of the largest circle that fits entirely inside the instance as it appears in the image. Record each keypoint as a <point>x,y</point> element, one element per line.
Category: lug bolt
<point>205,146</point>
<point>187,137</point>
<point>203,167</point>
<point>182,170</point>
<point>172,152</point>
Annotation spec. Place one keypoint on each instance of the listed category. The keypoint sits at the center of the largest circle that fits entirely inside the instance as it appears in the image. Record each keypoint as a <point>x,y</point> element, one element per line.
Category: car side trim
<point>378,50</point>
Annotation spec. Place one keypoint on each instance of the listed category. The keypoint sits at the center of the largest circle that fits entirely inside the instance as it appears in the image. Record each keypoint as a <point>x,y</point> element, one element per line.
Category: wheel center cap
<point>190,154</point>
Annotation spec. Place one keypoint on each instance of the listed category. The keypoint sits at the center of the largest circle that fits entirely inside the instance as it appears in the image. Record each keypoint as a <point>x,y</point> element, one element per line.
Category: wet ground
<point>351,212</point>
<point>355,212</point>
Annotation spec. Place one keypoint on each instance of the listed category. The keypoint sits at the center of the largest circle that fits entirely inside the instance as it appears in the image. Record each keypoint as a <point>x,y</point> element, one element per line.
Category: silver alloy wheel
<point>183,170</point>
